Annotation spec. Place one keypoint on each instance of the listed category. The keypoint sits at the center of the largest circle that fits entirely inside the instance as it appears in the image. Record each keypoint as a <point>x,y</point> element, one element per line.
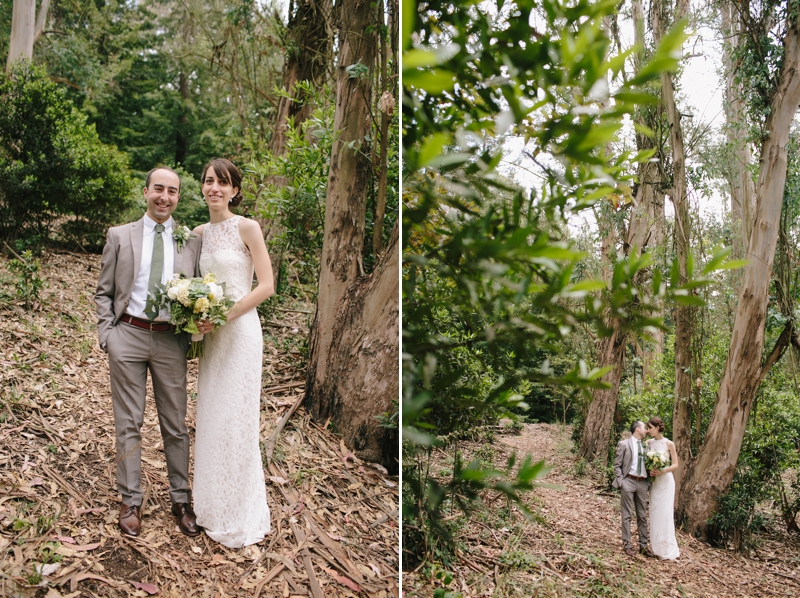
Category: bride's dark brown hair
<point>656,422</point>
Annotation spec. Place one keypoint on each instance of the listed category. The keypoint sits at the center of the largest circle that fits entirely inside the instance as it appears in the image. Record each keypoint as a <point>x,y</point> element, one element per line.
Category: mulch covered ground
<point>573,547</point>
<point>334,518</point>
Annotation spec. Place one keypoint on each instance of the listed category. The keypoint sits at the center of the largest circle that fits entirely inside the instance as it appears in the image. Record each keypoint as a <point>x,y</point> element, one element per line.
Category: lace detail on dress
<point>662,521</point>
<point>225,254</point>
<point>224,235</point>
<point>230,496</point>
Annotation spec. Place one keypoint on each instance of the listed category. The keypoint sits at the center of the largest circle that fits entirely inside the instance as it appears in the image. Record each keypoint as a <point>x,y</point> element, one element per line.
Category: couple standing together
<point>633,480</point>
<point>229,494</point>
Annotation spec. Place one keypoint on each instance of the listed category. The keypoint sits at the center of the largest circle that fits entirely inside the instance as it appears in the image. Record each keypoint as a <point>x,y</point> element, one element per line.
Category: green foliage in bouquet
<point>191,300</point>
<point>656,459</point>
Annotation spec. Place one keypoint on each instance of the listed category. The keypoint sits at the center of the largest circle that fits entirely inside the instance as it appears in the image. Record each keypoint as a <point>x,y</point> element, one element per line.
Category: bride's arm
<point>251,235</point>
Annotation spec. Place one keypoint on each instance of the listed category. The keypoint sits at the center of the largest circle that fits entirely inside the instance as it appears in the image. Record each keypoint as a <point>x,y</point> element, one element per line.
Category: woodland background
<point>588,285</point>
<point>302,98</point>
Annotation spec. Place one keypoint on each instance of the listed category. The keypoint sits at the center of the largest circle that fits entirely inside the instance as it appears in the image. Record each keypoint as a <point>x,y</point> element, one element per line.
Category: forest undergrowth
<point>573,547</point>
<point>334,518</point>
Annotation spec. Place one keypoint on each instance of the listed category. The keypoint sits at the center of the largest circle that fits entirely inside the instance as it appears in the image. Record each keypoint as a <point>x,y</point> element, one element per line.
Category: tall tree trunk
<point>711,472</point>
<point>739,178</point>
<point>310,48</point>
<point>335,330</point>
<point>23,30</point>
<point>386,108</point>
<point>649,197</point>
<point>599,420</point>
<point>363,361</point>
<point>682,410</point>
<point>611,350</point>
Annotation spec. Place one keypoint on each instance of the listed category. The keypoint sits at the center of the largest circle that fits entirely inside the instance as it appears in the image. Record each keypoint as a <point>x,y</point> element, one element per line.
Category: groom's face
<point>162,195</point>
<point>640,432</point>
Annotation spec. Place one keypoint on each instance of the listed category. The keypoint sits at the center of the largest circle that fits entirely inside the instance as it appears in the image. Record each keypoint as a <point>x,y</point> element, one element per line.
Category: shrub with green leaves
<point>28,283</point>
<point>293,185</point>
<point>53,167</point>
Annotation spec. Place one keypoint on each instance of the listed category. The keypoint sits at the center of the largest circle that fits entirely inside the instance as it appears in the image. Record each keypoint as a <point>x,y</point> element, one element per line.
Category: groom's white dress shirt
<point>635,462</point>
<point>139,294</point>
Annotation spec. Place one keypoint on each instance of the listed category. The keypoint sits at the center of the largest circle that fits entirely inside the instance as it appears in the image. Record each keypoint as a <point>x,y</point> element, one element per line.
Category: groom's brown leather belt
<point>637,477</point>
<point>147,324</point>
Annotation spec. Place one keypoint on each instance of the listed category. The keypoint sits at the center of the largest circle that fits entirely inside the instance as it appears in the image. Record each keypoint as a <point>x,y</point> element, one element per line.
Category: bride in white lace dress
<point>230,497</point>
<point>662,494</point>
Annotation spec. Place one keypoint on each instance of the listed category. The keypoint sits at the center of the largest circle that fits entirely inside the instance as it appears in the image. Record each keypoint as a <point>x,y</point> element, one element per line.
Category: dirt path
<point>573,548</point>
<point>334,518</point>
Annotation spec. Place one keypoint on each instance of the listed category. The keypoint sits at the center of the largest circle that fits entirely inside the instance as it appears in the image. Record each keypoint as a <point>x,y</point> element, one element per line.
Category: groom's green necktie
<point>156,269</point>
<point>641,459</point>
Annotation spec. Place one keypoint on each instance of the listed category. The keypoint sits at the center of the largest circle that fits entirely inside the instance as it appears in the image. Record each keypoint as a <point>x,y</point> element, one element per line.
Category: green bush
<point>769,448</point>
<point>28,282</point>
<point>53,168</point>
<point>292,187</point>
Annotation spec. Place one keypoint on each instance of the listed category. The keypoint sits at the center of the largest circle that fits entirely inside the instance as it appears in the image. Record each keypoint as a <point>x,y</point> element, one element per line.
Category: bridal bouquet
<point>191,300</point>
<point>656,459</point>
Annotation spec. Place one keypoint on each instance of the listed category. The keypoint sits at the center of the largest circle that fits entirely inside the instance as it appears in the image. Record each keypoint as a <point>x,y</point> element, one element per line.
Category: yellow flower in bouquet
<point>191,300</point>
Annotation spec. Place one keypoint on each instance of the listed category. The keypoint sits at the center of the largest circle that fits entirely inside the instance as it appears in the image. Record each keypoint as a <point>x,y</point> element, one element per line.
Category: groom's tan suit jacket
<point>122,257</point>
<point>623,462</point>
<point>132,352</point>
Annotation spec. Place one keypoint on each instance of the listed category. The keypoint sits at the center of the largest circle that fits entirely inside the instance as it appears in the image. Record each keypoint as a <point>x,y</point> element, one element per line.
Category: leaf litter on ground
<point>334,518</point>
<point>573,545</point>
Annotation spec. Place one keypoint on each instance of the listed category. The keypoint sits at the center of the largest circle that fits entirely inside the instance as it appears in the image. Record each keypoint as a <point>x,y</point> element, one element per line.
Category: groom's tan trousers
<point>132,352</point>
<point>634,492</point>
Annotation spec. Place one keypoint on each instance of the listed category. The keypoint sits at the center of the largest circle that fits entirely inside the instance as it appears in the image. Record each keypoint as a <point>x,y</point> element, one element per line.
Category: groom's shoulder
<point>122,228</point>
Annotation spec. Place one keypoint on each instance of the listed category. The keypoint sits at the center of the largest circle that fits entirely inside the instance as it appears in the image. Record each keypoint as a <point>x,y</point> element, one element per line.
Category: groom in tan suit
<point>632,480</point>
<point>135,258</point>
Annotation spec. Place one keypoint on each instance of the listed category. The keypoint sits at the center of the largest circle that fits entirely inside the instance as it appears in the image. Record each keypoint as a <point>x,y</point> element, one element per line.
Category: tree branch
<point>41,20</point>
<point>787,336</point>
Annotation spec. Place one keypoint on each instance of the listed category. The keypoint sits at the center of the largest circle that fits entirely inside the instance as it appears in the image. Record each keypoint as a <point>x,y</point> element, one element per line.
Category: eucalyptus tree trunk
<point>363,361</point>
<point>711,472</point>
<point>611,350</point>
<point>25,29</point>
<point>684,314</point>
<point>386,106</point>
<point>649,197</point>
<point>739,178</point>
<point>353,361</point>
<point>600,418</point>
<point>310,40</point>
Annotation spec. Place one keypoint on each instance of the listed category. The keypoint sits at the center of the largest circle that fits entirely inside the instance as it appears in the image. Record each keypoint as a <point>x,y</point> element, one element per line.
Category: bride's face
<point>217,192</point>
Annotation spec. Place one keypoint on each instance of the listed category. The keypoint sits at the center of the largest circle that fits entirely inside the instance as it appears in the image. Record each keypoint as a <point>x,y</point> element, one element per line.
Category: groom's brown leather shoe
<point>130,519</point>
<point>630,551</point>
<point>647,552</point>
<point>186,519</point>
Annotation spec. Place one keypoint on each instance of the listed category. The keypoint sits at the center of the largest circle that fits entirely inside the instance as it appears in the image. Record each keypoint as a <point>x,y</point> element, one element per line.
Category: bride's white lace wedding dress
<point>662,521</point>
<point>230,497</point>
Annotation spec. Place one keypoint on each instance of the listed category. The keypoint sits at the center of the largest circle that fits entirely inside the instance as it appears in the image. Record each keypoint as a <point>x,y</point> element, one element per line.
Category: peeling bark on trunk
<point>739,178</point>
<point>597,430</point>
<point>363,362</point>
<point>684,314</point>
<point>649,204</point>
<point>386,108</point>
<point>711,472</point>
<point>336,332</point>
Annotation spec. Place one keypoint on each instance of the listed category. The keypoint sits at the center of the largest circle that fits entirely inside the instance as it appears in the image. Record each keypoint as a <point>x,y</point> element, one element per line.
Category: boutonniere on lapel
<point>182,234</point>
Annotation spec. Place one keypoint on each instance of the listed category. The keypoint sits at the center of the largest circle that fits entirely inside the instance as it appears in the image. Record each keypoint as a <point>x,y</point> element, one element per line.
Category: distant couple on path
<point>230,499</point>
<point>633,479</point>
